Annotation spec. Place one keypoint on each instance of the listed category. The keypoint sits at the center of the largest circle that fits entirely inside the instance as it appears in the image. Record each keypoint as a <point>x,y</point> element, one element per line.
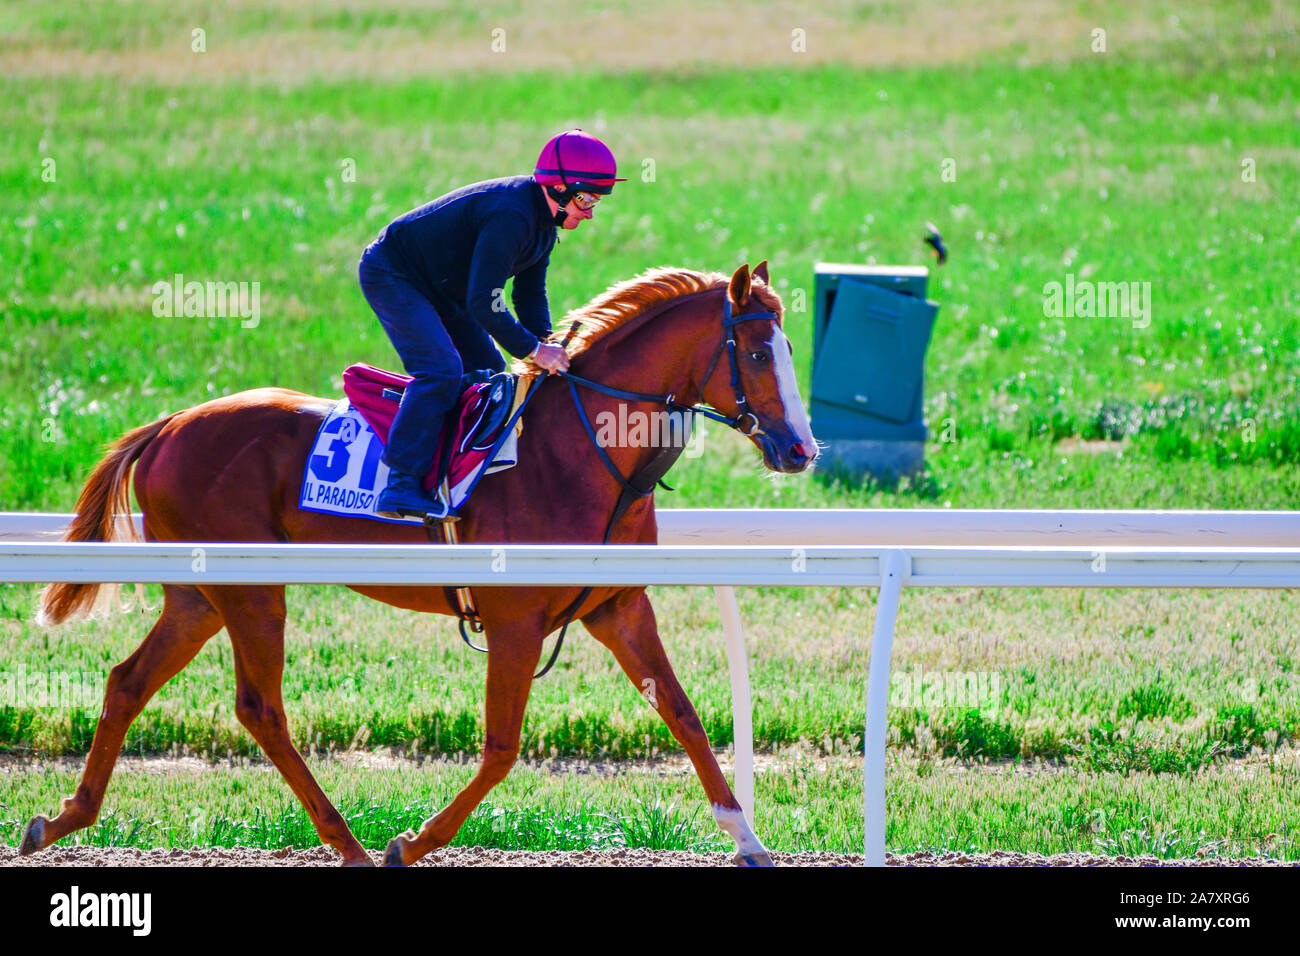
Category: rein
<point>729,323</point>
<point>643,482</point>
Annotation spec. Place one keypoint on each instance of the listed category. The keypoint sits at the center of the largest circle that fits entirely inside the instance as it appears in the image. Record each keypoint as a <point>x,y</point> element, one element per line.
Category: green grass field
<point>1173,158</point>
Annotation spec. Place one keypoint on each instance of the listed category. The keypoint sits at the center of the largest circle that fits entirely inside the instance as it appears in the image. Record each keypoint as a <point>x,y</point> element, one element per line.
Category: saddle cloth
<point>344,474</point>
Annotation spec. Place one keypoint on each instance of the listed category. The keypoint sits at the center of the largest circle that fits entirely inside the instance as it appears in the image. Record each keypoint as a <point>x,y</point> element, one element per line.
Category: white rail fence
<point>791,548</point>
<point>882,526</point>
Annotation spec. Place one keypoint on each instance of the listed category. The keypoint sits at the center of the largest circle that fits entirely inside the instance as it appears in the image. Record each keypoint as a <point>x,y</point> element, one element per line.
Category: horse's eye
<point>759,356</point>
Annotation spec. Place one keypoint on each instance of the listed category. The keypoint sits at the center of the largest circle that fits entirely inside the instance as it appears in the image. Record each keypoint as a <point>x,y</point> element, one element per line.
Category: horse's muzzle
<point>785,454</point>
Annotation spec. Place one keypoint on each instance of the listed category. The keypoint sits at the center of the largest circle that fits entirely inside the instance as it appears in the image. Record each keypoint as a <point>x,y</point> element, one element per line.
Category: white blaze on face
<point>788,388</point>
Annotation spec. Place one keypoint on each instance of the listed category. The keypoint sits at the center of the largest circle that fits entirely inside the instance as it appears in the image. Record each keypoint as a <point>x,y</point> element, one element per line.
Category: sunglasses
<point>585,201</point>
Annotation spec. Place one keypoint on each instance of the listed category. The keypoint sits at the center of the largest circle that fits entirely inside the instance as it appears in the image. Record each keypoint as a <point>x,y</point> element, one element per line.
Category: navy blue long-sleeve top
<point>459,249</point>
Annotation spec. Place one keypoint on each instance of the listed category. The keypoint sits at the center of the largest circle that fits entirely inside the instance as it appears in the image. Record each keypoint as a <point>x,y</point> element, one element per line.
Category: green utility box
<point>871,327</point>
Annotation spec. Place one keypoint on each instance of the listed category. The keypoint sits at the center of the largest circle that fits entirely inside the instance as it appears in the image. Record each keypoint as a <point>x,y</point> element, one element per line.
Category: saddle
<point>486,403</point>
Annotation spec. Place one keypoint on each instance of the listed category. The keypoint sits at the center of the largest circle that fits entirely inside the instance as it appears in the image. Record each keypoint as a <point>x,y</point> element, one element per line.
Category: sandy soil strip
<point>663,765</point>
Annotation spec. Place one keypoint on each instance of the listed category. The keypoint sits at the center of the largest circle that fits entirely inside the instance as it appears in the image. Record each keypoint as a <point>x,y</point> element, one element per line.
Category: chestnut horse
<point>661,332</point>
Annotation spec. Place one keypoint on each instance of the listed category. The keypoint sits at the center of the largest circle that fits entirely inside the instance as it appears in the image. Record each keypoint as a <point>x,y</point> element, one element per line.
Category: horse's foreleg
<point>626,625</point>
<point>512,658</point>
<point>187,621</point>
<point>255,619</point>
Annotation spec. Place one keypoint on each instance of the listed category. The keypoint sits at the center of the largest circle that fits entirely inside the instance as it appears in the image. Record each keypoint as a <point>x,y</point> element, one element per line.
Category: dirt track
<point>478,856</point>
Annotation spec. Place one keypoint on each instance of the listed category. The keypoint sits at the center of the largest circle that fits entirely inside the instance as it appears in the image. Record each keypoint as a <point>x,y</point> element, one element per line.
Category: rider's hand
<point>551,357</point>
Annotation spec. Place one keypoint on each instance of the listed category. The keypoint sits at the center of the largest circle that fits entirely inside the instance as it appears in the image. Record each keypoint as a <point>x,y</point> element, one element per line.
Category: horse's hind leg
<point>255,621</point>
<point>513,653</point>
<point>626,625</point>
<point>187,621</point>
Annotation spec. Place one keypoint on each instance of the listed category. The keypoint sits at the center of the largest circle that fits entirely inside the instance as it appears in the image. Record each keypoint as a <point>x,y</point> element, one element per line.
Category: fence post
<point>895,570</point>
<point>742,708</point>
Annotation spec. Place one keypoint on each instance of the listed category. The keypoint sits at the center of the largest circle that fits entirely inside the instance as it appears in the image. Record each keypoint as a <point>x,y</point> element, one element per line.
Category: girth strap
<point>461,598</point>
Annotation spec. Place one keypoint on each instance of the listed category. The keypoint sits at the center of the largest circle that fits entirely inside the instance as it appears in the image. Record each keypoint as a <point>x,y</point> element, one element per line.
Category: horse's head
<point>754,379</point>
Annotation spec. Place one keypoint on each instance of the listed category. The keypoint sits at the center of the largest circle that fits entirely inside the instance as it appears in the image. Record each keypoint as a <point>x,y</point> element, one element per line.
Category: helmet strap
<point>562,198</point>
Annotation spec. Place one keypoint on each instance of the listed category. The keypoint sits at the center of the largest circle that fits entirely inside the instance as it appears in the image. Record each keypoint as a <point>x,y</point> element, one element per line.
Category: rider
<point>436,278</point>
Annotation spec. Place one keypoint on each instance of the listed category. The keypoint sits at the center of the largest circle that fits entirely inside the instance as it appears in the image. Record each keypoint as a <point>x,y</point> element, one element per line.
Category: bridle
<point>729,323</point>
<point>644,481</point>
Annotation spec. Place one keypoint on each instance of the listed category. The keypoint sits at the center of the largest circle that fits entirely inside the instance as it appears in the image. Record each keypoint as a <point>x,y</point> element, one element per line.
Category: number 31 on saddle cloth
<point>344,474</point>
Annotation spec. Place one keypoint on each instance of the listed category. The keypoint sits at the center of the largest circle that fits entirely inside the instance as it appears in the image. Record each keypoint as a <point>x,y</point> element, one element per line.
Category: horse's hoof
<point>363,860</point>
<point>752,859</point>
<point>393,854</point>
<point>33,836</point>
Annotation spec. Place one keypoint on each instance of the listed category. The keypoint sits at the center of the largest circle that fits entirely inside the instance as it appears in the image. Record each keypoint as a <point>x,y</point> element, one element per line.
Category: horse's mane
<point>628,300</point>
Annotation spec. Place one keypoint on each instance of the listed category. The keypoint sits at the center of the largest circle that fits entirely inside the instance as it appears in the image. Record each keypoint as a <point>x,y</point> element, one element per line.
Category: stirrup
<point>441,496</point>
<point>426,515</point>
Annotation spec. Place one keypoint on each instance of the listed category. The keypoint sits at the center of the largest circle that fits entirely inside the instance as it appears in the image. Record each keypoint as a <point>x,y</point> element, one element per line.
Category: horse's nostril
<point>797,453</point>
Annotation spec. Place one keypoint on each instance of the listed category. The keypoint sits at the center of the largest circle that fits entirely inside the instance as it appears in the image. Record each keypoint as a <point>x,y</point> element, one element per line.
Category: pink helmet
<point>575,161</point>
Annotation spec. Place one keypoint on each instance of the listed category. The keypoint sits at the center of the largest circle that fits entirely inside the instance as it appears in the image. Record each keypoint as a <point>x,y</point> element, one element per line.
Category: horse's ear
<point>760,272</point>
<point>738,291</point>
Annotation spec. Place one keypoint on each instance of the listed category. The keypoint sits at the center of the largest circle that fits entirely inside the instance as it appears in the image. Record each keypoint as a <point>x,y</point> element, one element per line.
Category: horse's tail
<point>103,514</point>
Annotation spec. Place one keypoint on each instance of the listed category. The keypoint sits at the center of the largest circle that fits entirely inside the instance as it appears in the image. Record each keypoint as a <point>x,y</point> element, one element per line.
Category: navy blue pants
<point>435,353</point>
